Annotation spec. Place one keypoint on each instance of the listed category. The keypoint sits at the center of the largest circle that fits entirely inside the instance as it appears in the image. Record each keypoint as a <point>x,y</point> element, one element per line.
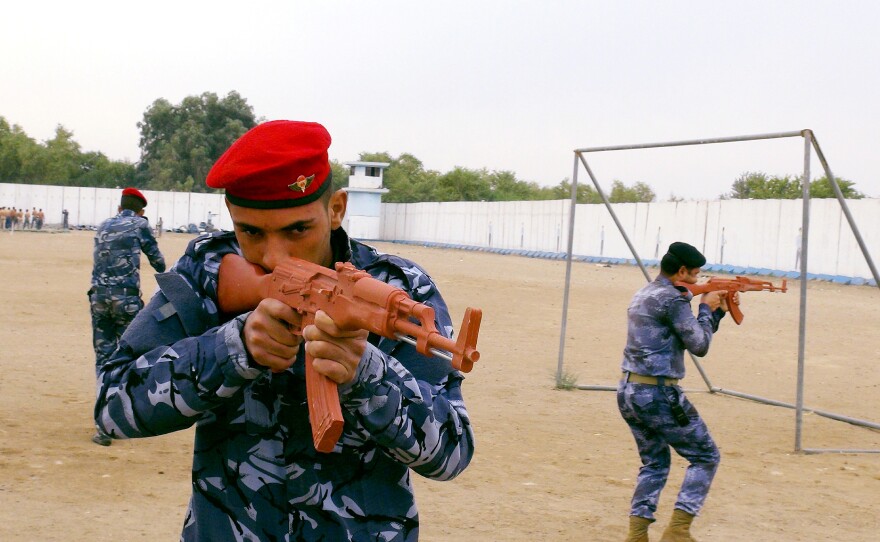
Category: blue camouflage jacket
<point>661,325</point>
<point>256,474</point>
<point>117,254</point>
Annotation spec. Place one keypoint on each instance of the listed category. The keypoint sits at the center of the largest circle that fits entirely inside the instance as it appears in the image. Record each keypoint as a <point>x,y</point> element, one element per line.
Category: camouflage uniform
<point>115,296</point>
<point>256,474</point>
<point>661,326</point>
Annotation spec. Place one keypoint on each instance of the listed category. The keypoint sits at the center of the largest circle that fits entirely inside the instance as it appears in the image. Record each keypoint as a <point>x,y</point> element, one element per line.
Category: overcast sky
<point>504,85</point>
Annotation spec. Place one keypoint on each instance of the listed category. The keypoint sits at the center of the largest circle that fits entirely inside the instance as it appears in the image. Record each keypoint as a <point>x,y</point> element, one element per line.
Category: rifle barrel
<point>439,353</point>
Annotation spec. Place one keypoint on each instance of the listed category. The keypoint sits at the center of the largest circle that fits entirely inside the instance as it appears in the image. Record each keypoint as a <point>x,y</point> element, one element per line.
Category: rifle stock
<point>354,300</point>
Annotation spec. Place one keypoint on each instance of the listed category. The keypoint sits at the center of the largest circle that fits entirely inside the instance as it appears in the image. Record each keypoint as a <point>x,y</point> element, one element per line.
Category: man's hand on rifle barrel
<point>336,353</point>
<point>267,335</point>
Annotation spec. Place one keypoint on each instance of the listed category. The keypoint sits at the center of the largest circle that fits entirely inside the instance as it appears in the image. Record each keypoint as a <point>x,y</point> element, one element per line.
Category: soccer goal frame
<point>810,145</point>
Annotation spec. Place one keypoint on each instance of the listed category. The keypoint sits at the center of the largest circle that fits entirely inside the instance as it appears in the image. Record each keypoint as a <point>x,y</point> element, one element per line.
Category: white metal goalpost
<point>810,145</point>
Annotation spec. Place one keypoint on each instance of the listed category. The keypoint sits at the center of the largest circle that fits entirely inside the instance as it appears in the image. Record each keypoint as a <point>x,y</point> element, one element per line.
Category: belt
<point>114,290</point>
<point>652,380</point>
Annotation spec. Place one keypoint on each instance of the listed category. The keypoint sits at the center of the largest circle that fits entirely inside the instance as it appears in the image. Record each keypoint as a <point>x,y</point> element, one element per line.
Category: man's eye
<point>251,232</point>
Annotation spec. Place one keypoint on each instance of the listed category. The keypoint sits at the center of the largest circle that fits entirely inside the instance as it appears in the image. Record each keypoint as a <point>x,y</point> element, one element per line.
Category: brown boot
<point>638,529</point>
<point>679,528</point>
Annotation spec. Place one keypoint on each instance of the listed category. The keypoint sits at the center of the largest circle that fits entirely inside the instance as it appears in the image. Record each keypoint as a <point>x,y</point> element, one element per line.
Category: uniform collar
<point>341,245</point>
<point>663,279</point>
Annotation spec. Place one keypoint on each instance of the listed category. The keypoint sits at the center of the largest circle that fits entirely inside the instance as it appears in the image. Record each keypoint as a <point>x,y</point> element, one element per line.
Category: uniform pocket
<point>643,395</point>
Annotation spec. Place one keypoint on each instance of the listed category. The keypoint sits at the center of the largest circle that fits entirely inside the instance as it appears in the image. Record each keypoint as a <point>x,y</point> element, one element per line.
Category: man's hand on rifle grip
<point>714,300</point>
<point>267,335</point>
<point>718,299</point>
<point>336,352</point>
<point>725,302</point>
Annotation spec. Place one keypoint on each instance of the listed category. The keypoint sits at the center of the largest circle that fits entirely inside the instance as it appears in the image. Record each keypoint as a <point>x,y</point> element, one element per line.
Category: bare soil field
<point>550,464</point>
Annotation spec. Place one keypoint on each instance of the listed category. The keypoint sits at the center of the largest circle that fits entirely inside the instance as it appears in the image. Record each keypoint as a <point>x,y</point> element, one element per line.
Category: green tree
<point>462,184</point>
<point>60,163</point>
<point>821,188</point>
<point>340,174</point>
<point>505,186</point>
<point>98,170</point>
<point>758,185</point>
<point>639,192</point>
<point>585,192</point>
<point>18,154</point>
<point>405,178</point>
<point>180,143</point>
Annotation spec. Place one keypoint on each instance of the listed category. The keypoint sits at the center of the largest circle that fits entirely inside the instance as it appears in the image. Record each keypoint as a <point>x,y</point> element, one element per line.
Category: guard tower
<point>363,217</point>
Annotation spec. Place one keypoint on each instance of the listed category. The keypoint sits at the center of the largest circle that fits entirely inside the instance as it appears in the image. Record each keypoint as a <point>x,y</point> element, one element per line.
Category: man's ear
<point>336,208</point>
<point>680,274</point>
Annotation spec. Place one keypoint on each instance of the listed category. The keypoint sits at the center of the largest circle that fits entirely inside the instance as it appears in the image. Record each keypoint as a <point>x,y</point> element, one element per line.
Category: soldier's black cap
<point>688,255</point>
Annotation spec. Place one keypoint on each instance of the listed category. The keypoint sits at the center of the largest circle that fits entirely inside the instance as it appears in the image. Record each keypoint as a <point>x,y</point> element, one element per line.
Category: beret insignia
<point>302,183</point>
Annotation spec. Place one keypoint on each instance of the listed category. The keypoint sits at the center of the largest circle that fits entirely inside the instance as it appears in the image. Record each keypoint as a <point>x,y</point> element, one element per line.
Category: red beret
<point>276,164</point>
<point>136,193</point>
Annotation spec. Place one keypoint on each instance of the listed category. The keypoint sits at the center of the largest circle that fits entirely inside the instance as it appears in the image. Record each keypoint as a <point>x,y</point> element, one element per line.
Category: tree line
<point>408,181</point>
<point>180,142</point>
<point>758,185</point>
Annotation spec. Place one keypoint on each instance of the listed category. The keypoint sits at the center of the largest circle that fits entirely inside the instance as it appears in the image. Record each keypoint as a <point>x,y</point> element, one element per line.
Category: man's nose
<point>276,252</point>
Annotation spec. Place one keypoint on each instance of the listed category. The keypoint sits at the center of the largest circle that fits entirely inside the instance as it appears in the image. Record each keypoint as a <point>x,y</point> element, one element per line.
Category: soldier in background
<point>115,296</point>
<point>661,326</point>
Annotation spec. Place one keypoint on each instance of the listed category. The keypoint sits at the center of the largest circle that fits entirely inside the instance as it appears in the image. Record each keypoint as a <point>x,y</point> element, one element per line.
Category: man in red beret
<point>115,296</point>
<point>240,378</point>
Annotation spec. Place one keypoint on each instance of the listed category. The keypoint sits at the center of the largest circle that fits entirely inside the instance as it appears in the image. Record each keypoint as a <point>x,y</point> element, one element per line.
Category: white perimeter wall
<point>761,234</point>
<point>88,206</point>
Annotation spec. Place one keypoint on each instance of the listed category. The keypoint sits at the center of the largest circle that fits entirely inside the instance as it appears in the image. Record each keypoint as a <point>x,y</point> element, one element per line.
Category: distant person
<point>26,225</point>
<point>159,227</point>
<point>64,223</point>
<point>4,216</point>
<point>41,216</point>
<point>115,296</point>
<point>661,326</point>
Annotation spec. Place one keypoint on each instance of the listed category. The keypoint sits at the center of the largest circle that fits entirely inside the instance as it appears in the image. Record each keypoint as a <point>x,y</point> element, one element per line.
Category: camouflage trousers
<point>111,314</point>
<point>648,410</point>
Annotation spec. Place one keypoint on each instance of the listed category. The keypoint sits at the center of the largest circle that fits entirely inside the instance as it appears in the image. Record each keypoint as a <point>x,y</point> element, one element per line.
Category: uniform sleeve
<point>423,425</point>
<point>151,248</point>
<point>171,387</point>
<point>694,332</point>
<point>412,405</point>
<point>166,373</point>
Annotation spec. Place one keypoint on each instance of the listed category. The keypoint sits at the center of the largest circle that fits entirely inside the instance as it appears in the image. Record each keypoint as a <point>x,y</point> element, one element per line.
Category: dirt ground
<point>550,464</point>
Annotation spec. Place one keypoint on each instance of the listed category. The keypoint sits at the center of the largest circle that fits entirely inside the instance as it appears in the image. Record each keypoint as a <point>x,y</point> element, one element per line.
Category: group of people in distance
<point>26,219</point>
<point>180,361</point>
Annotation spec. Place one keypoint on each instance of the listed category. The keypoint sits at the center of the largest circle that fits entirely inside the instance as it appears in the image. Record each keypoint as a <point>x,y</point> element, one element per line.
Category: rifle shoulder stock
<point>241,285</point>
